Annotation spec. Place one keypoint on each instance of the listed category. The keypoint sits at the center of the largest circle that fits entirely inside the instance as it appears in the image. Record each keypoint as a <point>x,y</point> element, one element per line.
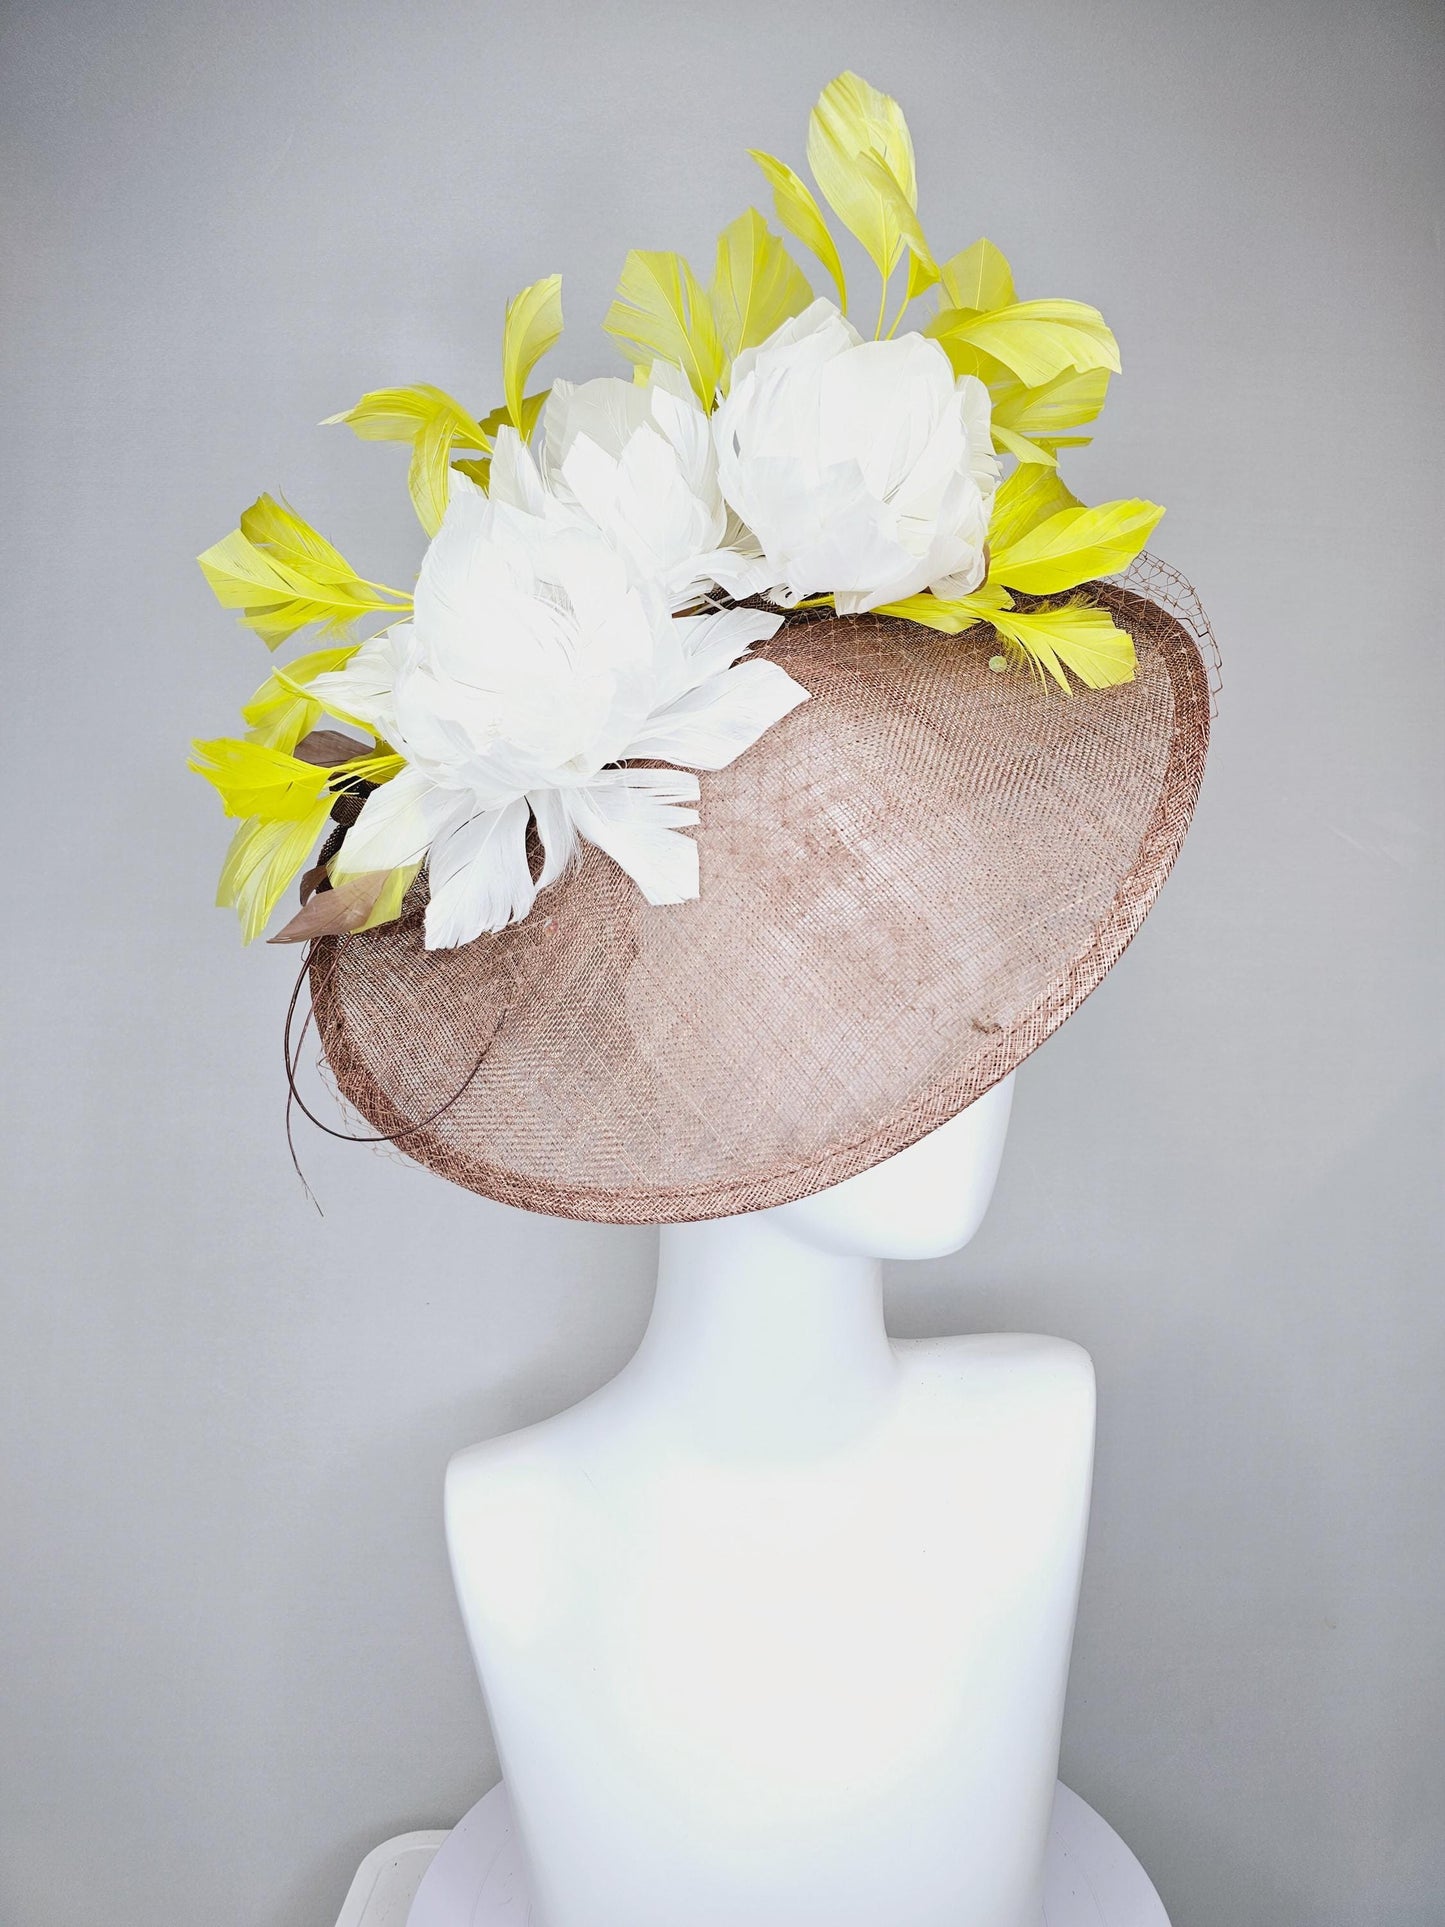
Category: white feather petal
<point>363,687</point>
<point>712,725</point>
<point>637,816</point>
<point>479,877</point>
<point>714,642</point>
<point>515,478</point>
<point>861,468</point>
<point>557,832</point>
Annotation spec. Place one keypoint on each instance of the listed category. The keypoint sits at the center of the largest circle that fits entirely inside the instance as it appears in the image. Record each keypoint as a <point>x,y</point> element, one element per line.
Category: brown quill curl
<point>329,909</point>
<point>296,1102</point>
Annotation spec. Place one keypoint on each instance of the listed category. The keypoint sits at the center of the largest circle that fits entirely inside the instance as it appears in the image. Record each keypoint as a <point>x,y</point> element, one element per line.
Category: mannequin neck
<point>763,1337</point>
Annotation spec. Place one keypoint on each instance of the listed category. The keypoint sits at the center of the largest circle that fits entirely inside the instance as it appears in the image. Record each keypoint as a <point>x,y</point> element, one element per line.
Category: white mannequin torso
<point>775,1627</point>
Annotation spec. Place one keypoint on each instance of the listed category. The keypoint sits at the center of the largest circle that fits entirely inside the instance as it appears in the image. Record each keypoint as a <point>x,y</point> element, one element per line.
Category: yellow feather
<point>1076,637</point>
<point>922,273</point>
<point>286,803</point>
<point>660,313</point>
<point>1073,546</point>
<point>1035,340</point>
<point>433,423</point>
<point>980,277</point>
<point>756,286</point>
<point>967,360</point>
<point>388,905</point>
<point>375,766</point>
<point>534,324</point>
<point>922,268</point>
<point>277,528</point>
<point>802,217</point>
<point>1024,499</point>
<point>428,475</point>
<point>254,780</point>
<point>479,468</point>
<point>1005,442</point>
<point>262,860</point>
<point>531,408</point>
<point>284,577</point>
<point>280,713</point>
<point>951,615</point>
<point>1031,422</point>
<point>852,119</point>
<point>478,471</point>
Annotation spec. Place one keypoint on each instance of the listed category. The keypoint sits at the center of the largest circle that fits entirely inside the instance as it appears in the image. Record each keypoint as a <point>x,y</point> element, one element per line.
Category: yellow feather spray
<point>284,577</point>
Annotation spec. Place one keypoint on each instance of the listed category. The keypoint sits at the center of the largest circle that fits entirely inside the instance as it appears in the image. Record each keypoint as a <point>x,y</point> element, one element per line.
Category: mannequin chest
<point>786,1598</point>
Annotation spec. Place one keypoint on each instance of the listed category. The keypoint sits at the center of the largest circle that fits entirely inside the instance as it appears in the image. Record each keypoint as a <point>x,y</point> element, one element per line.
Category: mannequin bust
<point>774,1628</point>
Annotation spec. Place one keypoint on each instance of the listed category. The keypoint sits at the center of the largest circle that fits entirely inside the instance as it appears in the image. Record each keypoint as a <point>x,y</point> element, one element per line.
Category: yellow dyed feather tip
<point>803,218</point>
<point>533,325</point>
<point>661,313</point>
<point>851,125</point>
<point>434,423</point>
<point>756,285</point>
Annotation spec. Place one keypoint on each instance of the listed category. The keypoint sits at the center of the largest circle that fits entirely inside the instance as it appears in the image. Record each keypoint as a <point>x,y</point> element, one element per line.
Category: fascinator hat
<point>773,750</point>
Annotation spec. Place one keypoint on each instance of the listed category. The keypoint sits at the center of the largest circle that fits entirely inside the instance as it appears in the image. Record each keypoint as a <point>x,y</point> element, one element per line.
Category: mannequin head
<point>922,1203</point>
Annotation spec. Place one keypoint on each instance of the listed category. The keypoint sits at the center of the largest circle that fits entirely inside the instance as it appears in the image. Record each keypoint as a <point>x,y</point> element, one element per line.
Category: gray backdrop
<point>231,1661</point>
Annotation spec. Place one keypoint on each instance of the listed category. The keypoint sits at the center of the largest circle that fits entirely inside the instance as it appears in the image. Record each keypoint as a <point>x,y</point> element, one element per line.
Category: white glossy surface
<point>387,1880</point>
<point>685,1595</point>
<point>476,1877</point>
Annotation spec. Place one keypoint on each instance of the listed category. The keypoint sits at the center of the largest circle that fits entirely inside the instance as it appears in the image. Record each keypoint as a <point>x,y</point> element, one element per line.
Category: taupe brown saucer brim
<point>907,885</point>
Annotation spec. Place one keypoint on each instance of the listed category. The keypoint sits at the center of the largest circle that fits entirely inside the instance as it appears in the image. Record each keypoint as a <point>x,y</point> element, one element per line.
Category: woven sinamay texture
<point>906,886</point>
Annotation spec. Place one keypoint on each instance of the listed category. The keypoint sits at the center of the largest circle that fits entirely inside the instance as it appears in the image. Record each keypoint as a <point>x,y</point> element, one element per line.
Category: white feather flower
<point>636,460</point>
<point>862,467</point>
<point>533,669</point>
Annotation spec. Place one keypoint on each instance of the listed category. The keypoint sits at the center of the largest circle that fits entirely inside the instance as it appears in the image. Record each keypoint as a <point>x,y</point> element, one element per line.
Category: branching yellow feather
<point>280,713</point>
<point>284,577</point>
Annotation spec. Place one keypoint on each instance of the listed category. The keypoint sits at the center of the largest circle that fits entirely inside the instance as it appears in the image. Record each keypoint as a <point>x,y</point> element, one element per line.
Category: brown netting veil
<point>907,884</point>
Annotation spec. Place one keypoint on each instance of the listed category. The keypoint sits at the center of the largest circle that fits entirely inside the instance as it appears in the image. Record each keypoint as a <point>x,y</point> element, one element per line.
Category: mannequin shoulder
<point>519,1475</point>
<point>526,1485</point>
<point>1003,1374</point>
<point>516,1517</point>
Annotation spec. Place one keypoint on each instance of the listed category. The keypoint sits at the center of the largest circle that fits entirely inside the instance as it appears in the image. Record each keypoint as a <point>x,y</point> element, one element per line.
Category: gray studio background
<point>231,1662</point>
